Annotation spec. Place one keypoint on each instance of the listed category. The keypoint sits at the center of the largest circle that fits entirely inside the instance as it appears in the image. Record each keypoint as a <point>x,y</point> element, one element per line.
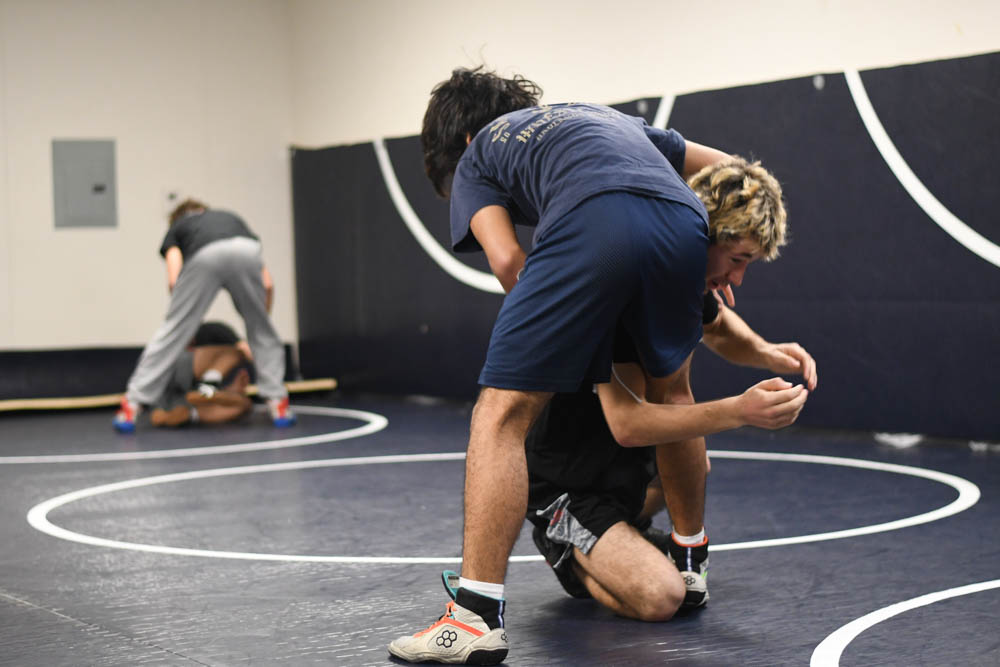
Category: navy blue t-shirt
<point>193,232</point>
<point>540,163</point>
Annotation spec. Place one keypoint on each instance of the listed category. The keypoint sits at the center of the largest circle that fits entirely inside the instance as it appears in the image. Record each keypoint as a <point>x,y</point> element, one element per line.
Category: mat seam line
<point>92,626</point>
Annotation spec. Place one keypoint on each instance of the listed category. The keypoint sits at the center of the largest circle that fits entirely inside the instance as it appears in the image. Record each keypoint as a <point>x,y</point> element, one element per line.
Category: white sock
<point>494,591</point>
<point>690,540</point>
<point>212,376</point>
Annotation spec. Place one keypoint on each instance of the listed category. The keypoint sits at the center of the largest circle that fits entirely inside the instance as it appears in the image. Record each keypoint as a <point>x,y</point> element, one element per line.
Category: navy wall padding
<point>373,308</point>
<point>903,320</point>
<point>61,373</point>
<point>79,372</point>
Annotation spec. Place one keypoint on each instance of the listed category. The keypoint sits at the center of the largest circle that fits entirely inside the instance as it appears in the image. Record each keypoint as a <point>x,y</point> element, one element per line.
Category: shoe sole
<point>124,427</point>
<point>477,657</point>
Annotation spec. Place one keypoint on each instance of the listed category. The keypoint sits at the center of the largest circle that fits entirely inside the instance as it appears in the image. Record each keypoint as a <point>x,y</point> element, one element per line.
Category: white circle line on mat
<point>374,423</point>
<point>968,495</point>
<point>828,652</point>
<point>38,515</point>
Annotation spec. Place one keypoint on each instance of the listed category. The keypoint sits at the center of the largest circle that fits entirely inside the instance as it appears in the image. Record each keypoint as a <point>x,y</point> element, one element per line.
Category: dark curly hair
<point>460,107</point>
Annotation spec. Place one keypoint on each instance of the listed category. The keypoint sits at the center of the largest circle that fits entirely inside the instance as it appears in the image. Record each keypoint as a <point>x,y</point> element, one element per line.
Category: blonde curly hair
<point>743,200</point>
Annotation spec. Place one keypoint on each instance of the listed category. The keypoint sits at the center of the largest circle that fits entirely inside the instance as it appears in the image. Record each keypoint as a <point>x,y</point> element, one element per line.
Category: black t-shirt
<point>193,232</point>
<point>570,445</point>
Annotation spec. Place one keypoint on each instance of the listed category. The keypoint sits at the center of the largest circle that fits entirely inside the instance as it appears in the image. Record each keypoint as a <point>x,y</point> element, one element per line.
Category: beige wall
<point>364,69</point>
<point>196,96</point>
<point>205,96</point>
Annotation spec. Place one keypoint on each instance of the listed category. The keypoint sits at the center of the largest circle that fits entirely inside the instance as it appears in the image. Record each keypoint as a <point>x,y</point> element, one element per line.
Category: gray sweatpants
<point>233,265</point>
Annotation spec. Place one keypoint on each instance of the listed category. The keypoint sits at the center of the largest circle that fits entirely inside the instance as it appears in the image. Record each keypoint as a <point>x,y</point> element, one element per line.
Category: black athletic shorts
<point>581,481</point>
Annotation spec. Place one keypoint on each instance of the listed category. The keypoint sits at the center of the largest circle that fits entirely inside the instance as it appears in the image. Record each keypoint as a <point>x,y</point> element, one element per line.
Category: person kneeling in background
<point>209,380</point>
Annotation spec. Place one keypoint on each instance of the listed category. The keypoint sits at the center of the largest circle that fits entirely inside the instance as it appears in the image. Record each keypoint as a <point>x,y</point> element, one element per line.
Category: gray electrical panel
<point>83,182</point>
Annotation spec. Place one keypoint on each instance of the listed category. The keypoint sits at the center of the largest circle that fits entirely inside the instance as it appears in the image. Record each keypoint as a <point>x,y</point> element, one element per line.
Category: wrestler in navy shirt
<point>540,163</point>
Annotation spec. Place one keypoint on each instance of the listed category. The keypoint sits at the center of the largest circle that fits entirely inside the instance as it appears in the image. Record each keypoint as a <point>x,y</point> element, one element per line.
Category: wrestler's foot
<point>692,562</point>
<point>281,415</point>
<point>470,632</point>
<point>124,421</point>
<point>562,567</point>
<point>175,416</point>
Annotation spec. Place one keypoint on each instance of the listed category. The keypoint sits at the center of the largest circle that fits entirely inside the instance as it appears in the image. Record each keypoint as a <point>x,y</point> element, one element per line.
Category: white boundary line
<point>968,495</point>
<point>945,219</point>
<point>828,653</point>
<point>38,515</point>
<point>38,519</point>
<point>375,423</point>
<point>480,280</point>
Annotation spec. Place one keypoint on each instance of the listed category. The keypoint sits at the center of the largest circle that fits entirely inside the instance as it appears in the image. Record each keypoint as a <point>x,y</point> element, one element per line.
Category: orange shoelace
<point>448,618</point>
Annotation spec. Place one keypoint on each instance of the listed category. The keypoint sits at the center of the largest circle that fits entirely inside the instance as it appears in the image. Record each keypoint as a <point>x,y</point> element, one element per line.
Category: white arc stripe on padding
<point>481,280</point>
<point>828,653</point>
<point>662,116</point>
<point>944,218</point>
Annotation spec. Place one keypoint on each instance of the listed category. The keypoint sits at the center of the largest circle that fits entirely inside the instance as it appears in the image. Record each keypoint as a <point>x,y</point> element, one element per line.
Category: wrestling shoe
<point>470,632</point>
<point>124,421</point>
<point>553,552</point>
<point>280,414</point>
<point>692,563</point>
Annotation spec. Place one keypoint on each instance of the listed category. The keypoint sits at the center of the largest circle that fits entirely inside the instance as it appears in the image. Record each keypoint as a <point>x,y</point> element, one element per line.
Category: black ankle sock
<point>490,609</point>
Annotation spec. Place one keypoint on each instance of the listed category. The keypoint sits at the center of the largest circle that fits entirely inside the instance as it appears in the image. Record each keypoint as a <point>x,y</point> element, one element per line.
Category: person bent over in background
<point>208,250</point>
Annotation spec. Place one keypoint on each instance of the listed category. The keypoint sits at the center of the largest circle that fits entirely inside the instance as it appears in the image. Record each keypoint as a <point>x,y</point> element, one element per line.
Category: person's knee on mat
<point>657,600</point>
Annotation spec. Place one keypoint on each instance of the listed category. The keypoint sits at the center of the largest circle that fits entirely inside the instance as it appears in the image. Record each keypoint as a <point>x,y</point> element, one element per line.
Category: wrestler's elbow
<point>506,266</point>
<point>509,263</point>
<point>624,416</point>
<point>626,433</point>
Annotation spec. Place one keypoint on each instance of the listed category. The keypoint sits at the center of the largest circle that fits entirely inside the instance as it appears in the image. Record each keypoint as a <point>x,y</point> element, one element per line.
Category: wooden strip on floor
<point>111,400</point>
